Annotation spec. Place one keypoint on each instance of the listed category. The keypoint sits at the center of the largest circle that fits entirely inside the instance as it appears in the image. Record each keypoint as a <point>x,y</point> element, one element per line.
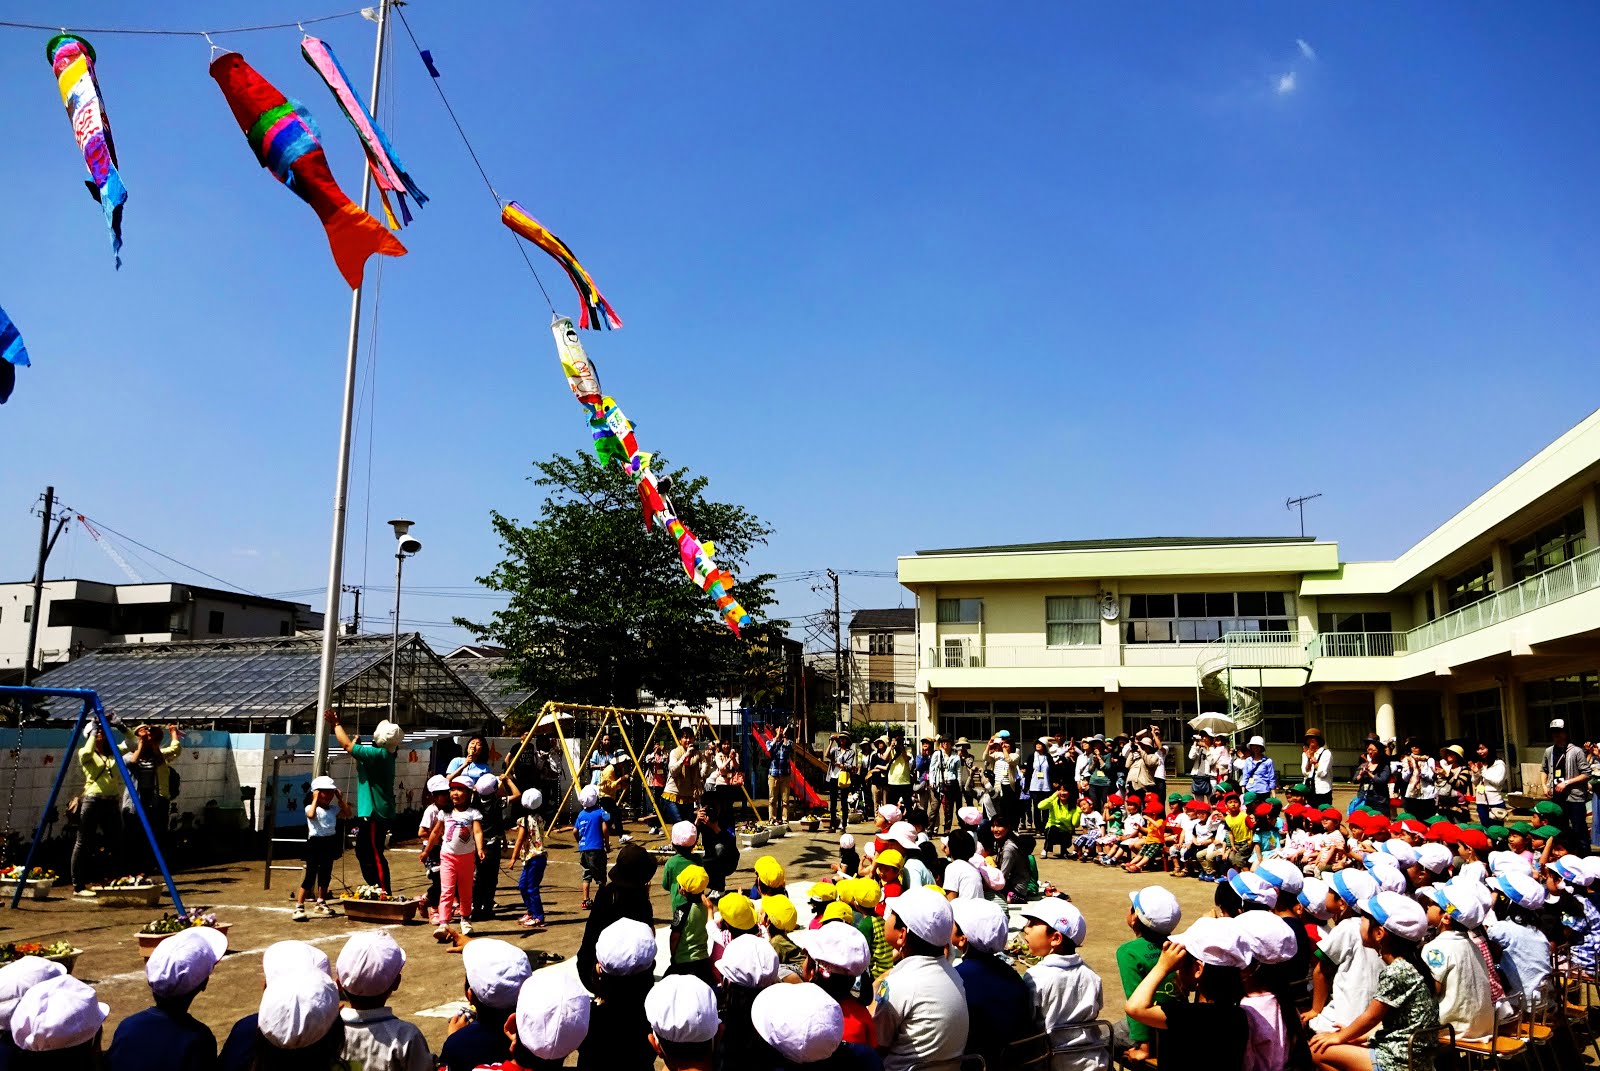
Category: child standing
<point>327,806</point>
<point>530,848</point>
<point>438,807</point>
<point>684,838</point>
<point>1153,913</point>
<point>594,843</point>
<point>691,954</point>
<point>460,841</point>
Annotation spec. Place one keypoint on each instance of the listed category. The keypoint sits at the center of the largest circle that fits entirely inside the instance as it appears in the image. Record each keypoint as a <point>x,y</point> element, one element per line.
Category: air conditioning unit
<point>959,652</point>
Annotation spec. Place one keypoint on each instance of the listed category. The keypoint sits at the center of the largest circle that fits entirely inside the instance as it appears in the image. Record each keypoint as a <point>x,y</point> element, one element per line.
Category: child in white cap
<point>283,957</point>
<point>1346,972</point>
<point>529,847</point>
<point>1400,1028</point>
<point>748,966</point>
<point>1466,1003</point>
<point>921,1012</point>
<point>432,815</point>
<point>685,837</point>
<point>375,1039</point>
<point>1522,952</point>
<point>682,1011</point>
<point>1153,913</point>
<point>56,1025</point>
<point>619,1034</point>
<point>594,842</point>
<point>999,1006</point>
<point>1208,959</point>
<point>327,806</point>
<point>1066,993</point>
<point>16,978</point>
<point>166,1035</point>
<point>836,955</point>
<point>495,973</point>
<point>801,1026</point>
<point>460,841</point>
<point>552,1019</point>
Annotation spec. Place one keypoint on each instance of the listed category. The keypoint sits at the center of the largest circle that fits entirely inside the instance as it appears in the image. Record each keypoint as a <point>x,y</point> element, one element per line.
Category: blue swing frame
<point>91,705</point>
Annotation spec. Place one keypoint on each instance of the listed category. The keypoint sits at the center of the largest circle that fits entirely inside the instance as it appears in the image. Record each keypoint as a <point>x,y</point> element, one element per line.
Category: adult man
<point>779,758</point>
<point>1316,765</point>
<point>944,782</point>
<point>922,790</point>
<point>843,769</point>
<point>1566,771</point>
<point>969,771</point>
<point>375,764</point>
<point>921,1009</point>
<point>1144,759</point>
<point>1161,761</point>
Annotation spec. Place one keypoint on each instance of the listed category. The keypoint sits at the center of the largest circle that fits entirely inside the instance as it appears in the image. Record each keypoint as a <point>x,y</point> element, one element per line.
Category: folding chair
<point>1029,1052</point>
<point>1504,1046</point>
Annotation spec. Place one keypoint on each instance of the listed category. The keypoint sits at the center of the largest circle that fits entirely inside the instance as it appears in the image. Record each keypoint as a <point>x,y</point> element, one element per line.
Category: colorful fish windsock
<point>597,312</point>
<point>387,170</point>
<point>72,60</point>
<point>13,354</point>
<point>614,442</point>
<point>285,138</point>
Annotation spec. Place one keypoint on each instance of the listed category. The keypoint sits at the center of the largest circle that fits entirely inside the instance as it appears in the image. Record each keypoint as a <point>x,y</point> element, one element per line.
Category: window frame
<point>1080,631</point>
<point>961,605</point>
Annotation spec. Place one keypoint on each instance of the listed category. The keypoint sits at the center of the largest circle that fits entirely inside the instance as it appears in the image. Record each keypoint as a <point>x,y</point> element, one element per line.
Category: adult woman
<point>898,775</point>
<point>878,772</point>
<point>1488,784</point>
<point>100,813</point>
<point>1454,783</point>
<point>1258,776</point>
<point>1038,781</point>
<point>655,778</point>
<point>1098,783</point>
<point>150,765</point>
<point>1002,773</point>
<point>717,773</point>
<point>1420,773</point>
<point>473,763</point>
<point>1316,768</point>
<point>601,758</point>
<point>1200,782</point>
<point>1372,778</point>
<point>680,796</point>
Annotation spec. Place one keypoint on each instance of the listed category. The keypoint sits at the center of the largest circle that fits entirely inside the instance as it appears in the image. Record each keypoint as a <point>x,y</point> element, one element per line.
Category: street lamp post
<point>405,546</point>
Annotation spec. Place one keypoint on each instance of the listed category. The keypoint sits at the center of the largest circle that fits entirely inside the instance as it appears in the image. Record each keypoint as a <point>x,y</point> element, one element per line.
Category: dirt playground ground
<point>432,984</point>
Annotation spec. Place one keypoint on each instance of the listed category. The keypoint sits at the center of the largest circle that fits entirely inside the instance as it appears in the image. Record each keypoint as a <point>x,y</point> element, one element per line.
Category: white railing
<point>1563,581</point>
<point>1358,645</point>
<point>1256,650</point>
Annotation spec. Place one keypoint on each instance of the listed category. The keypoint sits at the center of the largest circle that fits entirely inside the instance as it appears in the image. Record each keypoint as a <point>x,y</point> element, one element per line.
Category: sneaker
<point>655,831</point>
<point>441,933</point>
<point>626,837</point>
<point>466,926</point>
<point>322,910</point>
<point>586,904</point>
<point>299,914</point>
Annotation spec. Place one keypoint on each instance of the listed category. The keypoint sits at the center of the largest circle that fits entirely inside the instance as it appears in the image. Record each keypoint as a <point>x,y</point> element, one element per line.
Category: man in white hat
<point>684,1025</point>
<point>921,1010</point>
<point>495,971</point>
<point>167,1036</point>
<point>375,1039</point>
<point>1566,770</point>
<point>375,765</point>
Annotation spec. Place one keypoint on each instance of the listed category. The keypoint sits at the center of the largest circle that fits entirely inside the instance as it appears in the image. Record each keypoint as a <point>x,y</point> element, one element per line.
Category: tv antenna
<point>1300,503</point>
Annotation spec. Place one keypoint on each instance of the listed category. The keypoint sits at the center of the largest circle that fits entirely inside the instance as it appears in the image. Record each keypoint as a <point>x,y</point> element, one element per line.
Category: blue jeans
<point>528,885</point>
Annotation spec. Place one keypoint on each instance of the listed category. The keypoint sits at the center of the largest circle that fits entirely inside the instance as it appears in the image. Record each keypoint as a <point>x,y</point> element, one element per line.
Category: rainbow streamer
<point>615,443</point>
<point>597,312</point>
<point>72,60</point>
<point>387,170</point>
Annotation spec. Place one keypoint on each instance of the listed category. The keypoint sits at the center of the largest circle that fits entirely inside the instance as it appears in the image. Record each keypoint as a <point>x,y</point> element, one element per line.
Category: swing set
<point>91,708</point>
<point>612,716</point>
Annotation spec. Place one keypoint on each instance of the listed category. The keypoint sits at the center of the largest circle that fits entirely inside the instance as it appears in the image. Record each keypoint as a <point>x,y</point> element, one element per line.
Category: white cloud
<point>1285,84</point>
<point>1305,49</point>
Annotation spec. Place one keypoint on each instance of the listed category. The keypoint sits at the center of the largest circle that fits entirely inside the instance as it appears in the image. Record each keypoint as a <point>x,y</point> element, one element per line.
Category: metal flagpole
<point>341,487</point>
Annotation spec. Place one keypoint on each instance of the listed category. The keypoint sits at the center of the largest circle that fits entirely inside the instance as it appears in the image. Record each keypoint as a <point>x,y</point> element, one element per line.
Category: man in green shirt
<point>1153,914</point>
<point>375,763</point>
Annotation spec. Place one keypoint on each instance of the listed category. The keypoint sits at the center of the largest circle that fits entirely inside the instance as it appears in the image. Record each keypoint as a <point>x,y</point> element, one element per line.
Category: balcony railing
<point>1358,645</point>
<point>1563,581</point>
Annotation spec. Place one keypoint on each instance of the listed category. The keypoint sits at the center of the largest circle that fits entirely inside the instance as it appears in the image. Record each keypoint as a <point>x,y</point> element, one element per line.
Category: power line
<point>151,32</point>
<point>98,523</point>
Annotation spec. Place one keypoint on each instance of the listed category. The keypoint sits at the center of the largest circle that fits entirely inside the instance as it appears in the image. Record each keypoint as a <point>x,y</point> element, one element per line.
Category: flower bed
<point>36,886</point>
<point>62,952</point>
<point>134,890</point>
<point>157,930</point>
<point>372,904</point>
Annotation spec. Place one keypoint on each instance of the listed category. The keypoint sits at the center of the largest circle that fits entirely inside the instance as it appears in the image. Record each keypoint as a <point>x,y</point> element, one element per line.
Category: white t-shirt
<point>431,817</point>
<point>963,879</point>
<point>1355,980</point>
<point>1316,767</point>
<point>1066,997</point>
<point>1463,979</point>
<point>921,1016</point>
<point>457,839</point>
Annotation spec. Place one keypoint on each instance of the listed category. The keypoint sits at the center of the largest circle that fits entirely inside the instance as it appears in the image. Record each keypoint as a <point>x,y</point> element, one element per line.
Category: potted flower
<point>157,930</point>
<point>62,952</point>
<point>809,824</point>
<point>751,835</point>
<point>369,903</point>
<point>132,890</point>
<point>36,886</point>
<point>777,830</point>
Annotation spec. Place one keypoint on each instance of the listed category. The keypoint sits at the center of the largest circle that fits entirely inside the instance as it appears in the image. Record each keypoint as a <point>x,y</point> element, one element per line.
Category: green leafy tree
<point>600,604</point>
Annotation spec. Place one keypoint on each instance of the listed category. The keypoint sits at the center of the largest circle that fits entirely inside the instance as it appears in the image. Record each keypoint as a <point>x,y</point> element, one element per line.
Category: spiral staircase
<point>1232,670</point>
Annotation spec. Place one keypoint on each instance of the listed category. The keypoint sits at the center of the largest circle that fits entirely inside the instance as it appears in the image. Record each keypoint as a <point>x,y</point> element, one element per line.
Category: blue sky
<point>894,278</point>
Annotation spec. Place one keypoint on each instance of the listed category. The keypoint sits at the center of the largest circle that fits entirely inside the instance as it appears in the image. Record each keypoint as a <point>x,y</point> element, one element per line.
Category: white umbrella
<point>1215,724</point>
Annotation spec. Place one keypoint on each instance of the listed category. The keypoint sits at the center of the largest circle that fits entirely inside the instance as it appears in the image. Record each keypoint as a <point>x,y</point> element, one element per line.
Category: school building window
<point>1549,546</point>
<point>1574,699</point>
<point>1204,617</point>
<point>1466,588</point>
<point>214,622</point>
<point>1072,621</point>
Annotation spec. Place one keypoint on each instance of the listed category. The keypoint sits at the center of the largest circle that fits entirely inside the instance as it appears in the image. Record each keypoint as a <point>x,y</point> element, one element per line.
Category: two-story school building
<point>1487,628</point>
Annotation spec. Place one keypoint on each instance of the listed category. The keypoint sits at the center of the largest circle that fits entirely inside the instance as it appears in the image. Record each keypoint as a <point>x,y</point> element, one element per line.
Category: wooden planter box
<point>753,840</point>
<point>34,889</point>
<point>805,825</point>
<point>128,896</point>
<point>148,941</point>
<point>385,911</point>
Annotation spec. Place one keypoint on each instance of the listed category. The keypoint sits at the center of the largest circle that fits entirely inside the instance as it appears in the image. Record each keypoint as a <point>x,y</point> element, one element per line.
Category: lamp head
<point>401,527</point>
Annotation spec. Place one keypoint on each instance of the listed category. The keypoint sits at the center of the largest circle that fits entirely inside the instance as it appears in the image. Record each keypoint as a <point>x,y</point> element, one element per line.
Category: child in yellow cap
<point>770,879</point>
<point>691,953</point>
<point>820,896</point>
<point>736,916</point>
<point>781,918</point>
<point>887,871</point>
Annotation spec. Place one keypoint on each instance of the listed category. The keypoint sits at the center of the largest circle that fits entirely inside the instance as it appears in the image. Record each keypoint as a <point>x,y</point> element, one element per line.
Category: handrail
<point>1572,577</point>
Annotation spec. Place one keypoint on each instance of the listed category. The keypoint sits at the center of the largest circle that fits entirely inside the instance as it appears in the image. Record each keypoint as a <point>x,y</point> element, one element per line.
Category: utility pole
<point>47,543</point>
<point>841,686</point>
<point>355,620</point>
